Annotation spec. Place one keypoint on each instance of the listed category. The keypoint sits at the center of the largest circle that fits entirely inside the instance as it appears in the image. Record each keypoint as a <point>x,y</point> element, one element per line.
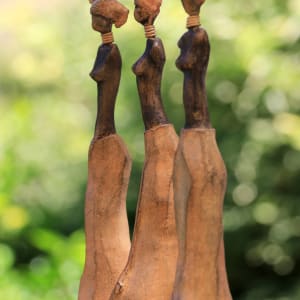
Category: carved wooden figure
<point>199,178</point>
<point>109,165</point>
<point>150,270</point>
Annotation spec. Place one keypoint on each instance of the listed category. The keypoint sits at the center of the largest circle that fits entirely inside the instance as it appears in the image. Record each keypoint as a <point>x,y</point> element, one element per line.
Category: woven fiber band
<point>150,31</point>
<point>193,21</point>
<point>107,38</point>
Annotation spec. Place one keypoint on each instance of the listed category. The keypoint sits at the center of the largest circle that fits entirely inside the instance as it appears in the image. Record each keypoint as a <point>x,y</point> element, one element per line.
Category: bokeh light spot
<point>244,194</point>
<point>14,218</point>
<point>284,265</point>
<point>265,213</point>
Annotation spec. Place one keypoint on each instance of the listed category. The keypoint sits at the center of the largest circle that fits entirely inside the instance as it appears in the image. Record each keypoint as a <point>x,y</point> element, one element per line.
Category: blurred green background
<point>47,110</point>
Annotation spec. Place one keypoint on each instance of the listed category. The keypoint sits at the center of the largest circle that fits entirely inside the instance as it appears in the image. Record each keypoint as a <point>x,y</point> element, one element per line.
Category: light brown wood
<point>199,187</point>
<point>107,12</point>
<point>146,11</point>
<point>150,271</point>
<point>106,226</point>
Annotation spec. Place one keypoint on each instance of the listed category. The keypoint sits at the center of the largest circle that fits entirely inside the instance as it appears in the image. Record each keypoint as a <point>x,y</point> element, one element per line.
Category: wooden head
<point>107,12</point>
<point>192,7</point>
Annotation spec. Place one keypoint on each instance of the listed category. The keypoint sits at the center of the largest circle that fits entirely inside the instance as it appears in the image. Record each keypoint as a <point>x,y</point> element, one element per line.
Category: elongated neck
<point>195,99</point>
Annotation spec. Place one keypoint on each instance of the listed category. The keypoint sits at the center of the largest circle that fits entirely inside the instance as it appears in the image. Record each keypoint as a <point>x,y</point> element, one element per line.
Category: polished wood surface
<point>199,179</point>
<point>109,166</point>
<point>193,61</point>
<point>148,70</point>
<point>150,270</point>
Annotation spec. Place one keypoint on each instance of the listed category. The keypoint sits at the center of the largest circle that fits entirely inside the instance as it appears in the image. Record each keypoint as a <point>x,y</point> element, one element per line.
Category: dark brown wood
<point>106,72</point>
<point>148,70</point>
<point>193,62</point>
<point>192,7</point>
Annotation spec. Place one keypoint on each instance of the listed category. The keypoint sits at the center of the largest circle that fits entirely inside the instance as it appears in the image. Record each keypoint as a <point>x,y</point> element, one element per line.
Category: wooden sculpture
<point>199,178</point>
<point>177,250</point>
<point>109,165</point>
<point>150,270</point>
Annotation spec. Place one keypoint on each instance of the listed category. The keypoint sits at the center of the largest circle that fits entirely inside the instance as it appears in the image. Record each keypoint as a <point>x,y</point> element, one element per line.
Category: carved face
<point>195,49</point>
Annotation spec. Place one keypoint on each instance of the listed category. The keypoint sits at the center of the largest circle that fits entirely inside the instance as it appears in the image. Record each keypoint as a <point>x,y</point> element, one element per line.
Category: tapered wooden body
<point>109,165</point>
<point>199,187</point>
<point>150,271</point>
<point>106,225</point>
<point>199,180</point>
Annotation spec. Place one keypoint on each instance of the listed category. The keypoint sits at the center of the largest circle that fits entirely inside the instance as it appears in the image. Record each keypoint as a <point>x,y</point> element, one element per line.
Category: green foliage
<point>47,117</point>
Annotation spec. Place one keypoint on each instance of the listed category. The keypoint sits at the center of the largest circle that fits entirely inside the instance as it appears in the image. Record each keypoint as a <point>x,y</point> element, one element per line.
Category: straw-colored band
<point>150,31</point>
<point>107,38</point>
<point>193,21</point>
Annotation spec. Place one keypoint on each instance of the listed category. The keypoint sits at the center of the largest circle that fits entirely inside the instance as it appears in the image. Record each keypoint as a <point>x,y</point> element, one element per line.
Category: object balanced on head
<point>189,175</point>
<point>109,165</point>
<point>150,270</point>
<point>199,177</point>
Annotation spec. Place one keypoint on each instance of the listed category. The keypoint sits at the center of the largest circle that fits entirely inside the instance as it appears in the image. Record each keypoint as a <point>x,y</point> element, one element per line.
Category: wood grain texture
<point>109,165</point>
<point>106,225</point>
<point>150,271</point>
<point>199,187</point>
<point>199,183</point>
